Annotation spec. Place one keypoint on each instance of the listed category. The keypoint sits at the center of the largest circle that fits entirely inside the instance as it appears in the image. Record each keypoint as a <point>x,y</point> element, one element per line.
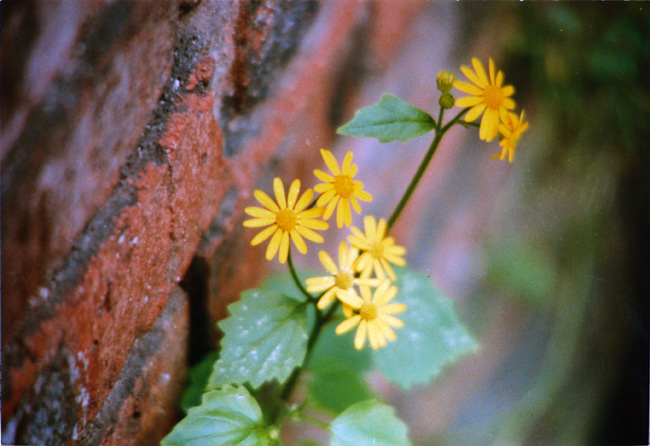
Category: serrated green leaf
<point>337,371</point>
<point>265,337</point>
<point>431,338</point>
<point>198,377</point>
<point>226,417</point>
<point>368,423</point>
<point>390,119</point>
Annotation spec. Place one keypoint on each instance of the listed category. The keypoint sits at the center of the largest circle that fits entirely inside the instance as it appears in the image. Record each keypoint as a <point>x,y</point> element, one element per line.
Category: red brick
<point>66,139</point>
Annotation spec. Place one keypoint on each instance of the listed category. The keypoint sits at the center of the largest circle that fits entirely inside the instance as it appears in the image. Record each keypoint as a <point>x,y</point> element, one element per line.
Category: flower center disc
<point>343,185</point>
<point>286,219</point>
<point>344,280</point>
<point>493,97</point>
<point>368,312</point>
<point>377,251</point>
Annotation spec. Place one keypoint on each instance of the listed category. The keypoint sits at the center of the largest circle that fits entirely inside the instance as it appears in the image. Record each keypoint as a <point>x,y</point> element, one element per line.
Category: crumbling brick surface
<point>133,134</point>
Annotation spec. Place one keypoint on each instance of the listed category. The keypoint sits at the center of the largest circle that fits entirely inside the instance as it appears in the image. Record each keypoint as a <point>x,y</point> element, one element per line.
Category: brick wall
<point>133,134</point>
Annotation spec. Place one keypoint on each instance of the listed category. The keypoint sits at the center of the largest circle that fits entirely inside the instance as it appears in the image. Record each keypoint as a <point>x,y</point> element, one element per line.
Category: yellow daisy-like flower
<point>288,219</point>
<point>511,129</point>
<point>374,315</point>
<point>340,188</point>
<point>379,251</point>
<point>341,278</point>
<point>488,97</point>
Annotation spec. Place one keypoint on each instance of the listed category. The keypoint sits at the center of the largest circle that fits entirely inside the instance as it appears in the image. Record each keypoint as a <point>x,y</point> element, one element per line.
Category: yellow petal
<point>273,245</point>
<point>361,194</point>
<point>508,103</point>
<point>266,201</point>
<point>304,201</point>
<point>489,125</point>
<point>468,88</point>
<point>370,226</point>
<point>351,171</point>
<point>318,284</point>
<point>347,324</point>
<point>323,188</point>
<point>492,71</point>
<point>390,320</point>
<point>381,230</point>
<point>298,241</point>
<point>343,254</point>
<point>480,71</point>
<point>350,298</point>
<point>386,330</point>
<point>278,189</point>
<point>313,223</point>
<point>327,262</point>
<point>259,238</point>
<point>372,335</point>
<point>469,101</point>
<point>309,234</point>
<point>254,211</point>
<point>347,161</point>
<point>360,337</point>
<point>293,194</point>
<point>323,176</point>
<point>355,205</point>
<point>326,299</point>
<point>284,248</point>
<point>259,222</point>
<point>393,308</point>
<point>471,75</point>
<point>330,161</point>
<point>508,90</point>
<point>475,112</point>
<point>499,80</point>
<point>311,213</point>
<point>364,261</point>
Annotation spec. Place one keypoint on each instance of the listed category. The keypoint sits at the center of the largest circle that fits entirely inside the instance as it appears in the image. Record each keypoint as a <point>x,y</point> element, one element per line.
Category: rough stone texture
<point>133,135</point>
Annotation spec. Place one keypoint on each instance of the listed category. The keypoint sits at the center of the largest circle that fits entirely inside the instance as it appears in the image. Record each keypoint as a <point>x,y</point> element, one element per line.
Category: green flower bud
<point>446,101</point>
<point>445,80</point>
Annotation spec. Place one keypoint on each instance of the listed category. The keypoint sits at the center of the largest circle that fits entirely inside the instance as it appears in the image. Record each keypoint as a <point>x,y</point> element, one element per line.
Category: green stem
<point>315,421</point>
<point>321,320</point>
<point>294,275</point>
<point>440,131</point>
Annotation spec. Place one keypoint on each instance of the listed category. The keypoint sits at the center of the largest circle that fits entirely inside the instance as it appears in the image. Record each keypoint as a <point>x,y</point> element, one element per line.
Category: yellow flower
<point>380,251</point>
<point>488,97</point>
<point>340,188</point>
<point>341,278</point>
<point>288,219</point>
<point>374,315</point>
<point>511,130</point>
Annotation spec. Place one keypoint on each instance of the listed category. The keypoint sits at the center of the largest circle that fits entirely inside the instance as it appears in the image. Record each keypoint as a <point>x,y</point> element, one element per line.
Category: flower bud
<point>446,101</point>
<point>445,80</point>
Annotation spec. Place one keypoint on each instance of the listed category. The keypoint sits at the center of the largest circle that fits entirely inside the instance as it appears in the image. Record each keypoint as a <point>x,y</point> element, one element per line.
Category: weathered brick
<point>69,122</point>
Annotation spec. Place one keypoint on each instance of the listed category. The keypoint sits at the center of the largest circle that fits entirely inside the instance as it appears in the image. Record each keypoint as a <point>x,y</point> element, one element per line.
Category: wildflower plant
<point>313,329</point>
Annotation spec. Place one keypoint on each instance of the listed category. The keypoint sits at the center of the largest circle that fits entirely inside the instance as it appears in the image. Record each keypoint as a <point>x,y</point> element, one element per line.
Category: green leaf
<point>198,377</point>
<point>431,338</point>
<point>337,371</point>
<point>388,120</point>
<point>265,337</point>
<point>368,423</point>
<point>226,417</point>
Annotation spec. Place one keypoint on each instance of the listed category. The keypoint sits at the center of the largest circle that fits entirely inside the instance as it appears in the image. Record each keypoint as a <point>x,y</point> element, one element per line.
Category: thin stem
<point>294,275</point>
<point>313,420</point>
<point>440,131</point>
<point>321,320</point>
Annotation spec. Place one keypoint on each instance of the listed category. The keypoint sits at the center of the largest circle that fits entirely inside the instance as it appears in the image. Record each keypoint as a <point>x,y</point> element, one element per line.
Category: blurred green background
<point>570,244</point>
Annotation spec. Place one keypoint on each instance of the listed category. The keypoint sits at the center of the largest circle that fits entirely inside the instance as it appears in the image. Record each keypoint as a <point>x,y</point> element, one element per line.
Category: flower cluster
<point>364,264</point>
<point>490,98</point>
